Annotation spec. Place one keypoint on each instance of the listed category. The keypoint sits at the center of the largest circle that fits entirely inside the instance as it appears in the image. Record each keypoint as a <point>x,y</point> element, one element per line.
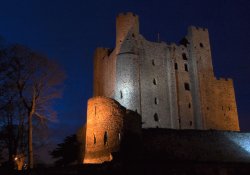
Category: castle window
<point>176,66</point>
<point>229,108</point>
<point>156,101</point>
<point>186,85</point>
<point>153,62</point>
<point>105,138</point>
<point>154,81</point>
<point>189,105</point>
<point>190,123</point>
<point>121,96</point>
<point>184,56</point>
<point>201,45</point>
<point>186,67</point>
<point>221,107</point>
<point>133,35</point>
<point>156,118</point>
<point>119,136</point>
<point>94,139</point>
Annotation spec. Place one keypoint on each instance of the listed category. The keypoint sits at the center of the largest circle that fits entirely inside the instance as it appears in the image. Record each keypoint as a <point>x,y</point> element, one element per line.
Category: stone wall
<point>169,85</point>
<point>104,129</point>
<point>163,145</point>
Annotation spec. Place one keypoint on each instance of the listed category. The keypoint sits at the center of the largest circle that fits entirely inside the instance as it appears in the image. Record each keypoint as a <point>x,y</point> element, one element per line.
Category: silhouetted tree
<point>66,152</point>
<point>35,82</point>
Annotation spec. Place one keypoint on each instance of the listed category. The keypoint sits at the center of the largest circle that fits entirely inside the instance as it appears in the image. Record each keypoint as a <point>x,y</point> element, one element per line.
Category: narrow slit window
<point>95,110</point>
<point>119,136</point>
<point>105,138</point>
<point>154,81</point>
<point>190,123</point>
<point>121,95</point>
<point>153,62</point>
<point>156,101</point>
<point>94,139</point>
<point>186,67</point>
<point>184,56</point>
<point>201,45</point>
<point>156,118</point>
<point>187,87</point>
<point>189,105</point>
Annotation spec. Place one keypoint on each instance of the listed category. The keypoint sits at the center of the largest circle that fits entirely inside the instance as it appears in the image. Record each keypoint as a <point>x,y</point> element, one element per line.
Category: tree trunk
<point>30,146</point>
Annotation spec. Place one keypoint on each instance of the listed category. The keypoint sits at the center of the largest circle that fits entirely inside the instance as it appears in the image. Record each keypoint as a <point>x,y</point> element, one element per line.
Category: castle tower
<point>125,23</point>
<point>104,129</point>
<point>201,70</point>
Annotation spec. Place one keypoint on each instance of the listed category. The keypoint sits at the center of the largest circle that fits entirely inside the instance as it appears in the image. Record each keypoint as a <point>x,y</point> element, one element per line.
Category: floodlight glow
<point>243,142</point>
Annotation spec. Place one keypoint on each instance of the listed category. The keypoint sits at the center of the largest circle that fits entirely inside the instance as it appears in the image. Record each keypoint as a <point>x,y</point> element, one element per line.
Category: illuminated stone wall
<point>104,129</point>
<point>215,104</point>
<point>169,85</point>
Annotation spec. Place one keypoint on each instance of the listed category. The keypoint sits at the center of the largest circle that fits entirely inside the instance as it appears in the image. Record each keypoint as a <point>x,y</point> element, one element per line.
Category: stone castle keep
<point>142,84</point>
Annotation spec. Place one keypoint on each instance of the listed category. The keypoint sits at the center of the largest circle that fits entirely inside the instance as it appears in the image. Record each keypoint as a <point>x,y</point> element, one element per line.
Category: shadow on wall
<point>194,145</point>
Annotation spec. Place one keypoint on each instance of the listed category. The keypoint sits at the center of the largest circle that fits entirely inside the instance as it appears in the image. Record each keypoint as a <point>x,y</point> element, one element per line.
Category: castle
<point>142,84</point>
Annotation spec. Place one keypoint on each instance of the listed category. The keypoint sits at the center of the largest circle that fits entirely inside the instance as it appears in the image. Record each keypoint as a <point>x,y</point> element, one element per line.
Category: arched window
<point>156,118</point>
<point>186,67</point>
<point>175,66</point>
<point>186,85</point>
<point>184,56</point>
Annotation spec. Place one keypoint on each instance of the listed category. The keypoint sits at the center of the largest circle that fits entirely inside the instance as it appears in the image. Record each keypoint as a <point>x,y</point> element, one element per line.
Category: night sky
<point>69,31</point>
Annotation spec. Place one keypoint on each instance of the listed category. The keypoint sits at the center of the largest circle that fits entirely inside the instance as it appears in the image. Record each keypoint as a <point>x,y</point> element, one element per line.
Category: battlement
<point>224,79</point>
<point>101,52</point>
<point>131,14</point>
<point>198,28</point>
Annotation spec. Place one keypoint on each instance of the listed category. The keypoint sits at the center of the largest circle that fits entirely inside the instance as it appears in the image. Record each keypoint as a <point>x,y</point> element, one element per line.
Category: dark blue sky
<point>69,30</point>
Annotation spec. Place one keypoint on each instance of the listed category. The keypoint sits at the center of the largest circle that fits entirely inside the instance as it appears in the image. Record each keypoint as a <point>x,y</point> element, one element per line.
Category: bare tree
<point>38,82</point>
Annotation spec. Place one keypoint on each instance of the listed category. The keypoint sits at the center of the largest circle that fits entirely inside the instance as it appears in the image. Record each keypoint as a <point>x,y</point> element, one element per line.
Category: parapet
<point>127,14</point>
<point>197,28</point>
<point>224,79</point>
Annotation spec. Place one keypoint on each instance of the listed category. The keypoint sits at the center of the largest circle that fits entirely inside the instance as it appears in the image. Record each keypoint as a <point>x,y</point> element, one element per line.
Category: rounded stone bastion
<point>104,129</point>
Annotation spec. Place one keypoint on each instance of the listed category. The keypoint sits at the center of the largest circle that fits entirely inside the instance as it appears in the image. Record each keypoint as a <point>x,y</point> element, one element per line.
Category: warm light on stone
<point>104,129</point>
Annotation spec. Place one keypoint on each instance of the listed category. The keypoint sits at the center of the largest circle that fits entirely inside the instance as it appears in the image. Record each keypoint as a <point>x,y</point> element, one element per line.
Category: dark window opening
<point>156,118</point>
<point>186,85</point>
<point>207,108</point>
<point>189,105</point>
<point>175,66</point>
<point>229,108</point>
<point>94,139</point>
<point>154,81</point>
<point>153,62</point>
<point>186,67</point>
<point>105,138</point>
<point>95,110</point>
<point>133,35</point>
<point>221,107</point>
<point>121,96</point>
<point>201,45</point>
<point>184,56</point>
<point>190,123</point>
<point>156,101</point>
